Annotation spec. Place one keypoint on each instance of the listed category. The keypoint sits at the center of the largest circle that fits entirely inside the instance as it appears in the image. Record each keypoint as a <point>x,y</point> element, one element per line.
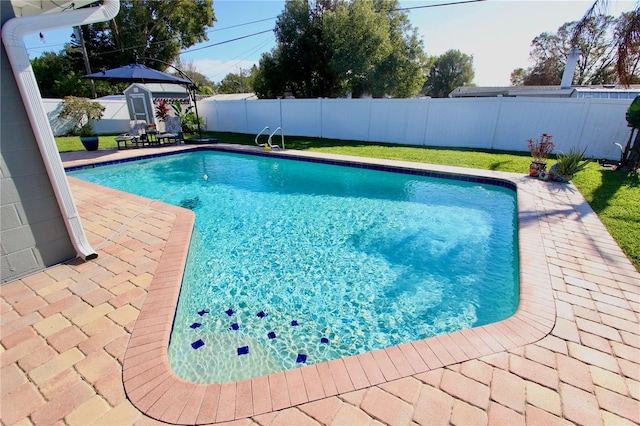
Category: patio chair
<point>172,131</point>
<point>150,137</point>
<point>133,138</point>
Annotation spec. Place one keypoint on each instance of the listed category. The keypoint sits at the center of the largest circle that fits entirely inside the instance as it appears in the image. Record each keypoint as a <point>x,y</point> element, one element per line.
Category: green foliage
<point>72,143</point>
<point>242,82</point>
<point>596,65</point>
<point>450,70</point>
<point>157,29</point>
<point>190,123</point>
<point>517,77</point>
<point>143,28</point>
<point>615,197</point>
<point>333,48</point>
<point>571,163</point>
<point>633,113</point>
<point>206,90</point>
<point>187,118</point>
<point>79,111</point>
<point>178,111</point>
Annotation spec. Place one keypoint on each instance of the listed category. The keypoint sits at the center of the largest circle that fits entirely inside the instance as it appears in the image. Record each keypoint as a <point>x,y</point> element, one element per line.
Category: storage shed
<point>140,98</point>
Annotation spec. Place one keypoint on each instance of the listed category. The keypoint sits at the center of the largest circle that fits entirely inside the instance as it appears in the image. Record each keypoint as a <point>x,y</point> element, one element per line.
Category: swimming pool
<point>406,257</point>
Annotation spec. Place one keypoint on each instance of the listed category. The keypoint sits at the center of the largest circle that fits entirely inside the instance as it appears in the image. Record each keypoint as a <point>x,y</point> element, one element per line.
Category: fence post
<point>321,119</point>
<point>369,119</point>
<point>495,127</point>
<point>426,122</point>
<point>586,106</point>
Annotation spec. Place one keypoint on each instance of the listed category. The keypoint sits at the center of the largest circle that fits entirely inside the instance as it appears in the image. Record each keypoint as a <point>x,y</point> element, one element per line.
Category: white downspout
<point>13,32</point>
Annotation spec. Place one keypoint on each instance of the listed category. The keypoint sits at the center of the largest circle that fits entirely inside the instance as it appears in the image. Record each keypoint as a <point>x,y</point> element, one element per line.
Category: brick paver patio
<point>66,332</point>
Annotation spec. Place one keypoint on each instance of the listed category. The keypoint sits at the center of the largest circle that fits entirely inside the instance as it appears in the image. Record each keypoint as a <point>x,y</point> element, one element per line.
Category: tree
<point>242,82</point>
<point>596,63</point>
<point>627,59</point>
<point>448,71</point>
<point>58,75</point>
<point>517,77</point>
<point>143,28</point>
<point>153,29</point>
<point>628,47</point>
<point>333,47</point>
<point>626,39</point>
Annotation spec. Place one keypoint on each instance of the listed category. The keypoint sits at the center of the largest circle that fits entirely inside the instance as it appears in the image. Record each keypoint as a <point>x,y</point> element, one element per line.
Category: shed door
<point>139,107</point>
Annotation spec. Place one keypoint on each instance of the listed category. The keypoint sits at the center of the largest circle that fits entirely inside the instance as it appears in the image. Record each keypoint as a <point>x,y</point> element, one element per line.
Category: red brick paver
<point>570,356</point>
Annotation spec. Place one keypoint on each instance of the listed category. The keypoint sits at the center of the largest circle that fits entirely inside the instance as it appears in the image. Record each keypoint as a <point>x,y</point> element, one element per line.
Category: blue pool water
<point>294,263</point>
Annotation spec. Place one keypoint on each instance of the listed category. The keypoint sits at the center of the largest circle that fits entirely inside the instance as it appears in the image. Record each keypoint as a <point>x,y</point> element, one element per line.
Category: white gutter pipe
<point>13,32</point>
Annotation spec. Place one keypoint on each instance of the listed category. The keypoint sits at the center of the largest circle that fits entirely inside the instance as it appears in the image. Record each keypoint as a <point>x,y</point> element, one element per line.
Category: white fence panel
<point>522,119</point>
<point>498,123</point>
<point>461,122</point>
<point>346,119</point>
<point>232,117</point>
<point>115,118</point>
<point>604,124</point>
<point>208,111</point>
<point>302,117</point>
<point>400,121</point>
<point>261,114</point>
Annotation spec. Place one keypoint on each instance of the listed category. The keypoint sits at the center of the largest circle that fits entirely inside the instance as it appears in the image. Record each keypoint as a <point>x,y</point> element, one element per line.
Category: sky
<point>497,33</point>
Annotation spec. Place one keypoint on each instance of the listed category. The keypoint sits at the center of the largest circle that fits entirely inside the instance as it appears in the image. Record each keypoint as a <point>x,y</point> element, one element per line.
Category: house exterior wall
<point>32,232</point>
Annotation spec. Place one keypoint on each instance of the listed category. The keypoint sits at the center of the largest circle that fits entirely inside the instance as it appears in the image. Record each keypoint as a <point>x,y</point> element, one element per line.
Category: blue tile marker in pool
<point>271,335</point>
<point>229,312</point>
<point>302,358</point>
<point>202,312</point>
<point>197,344</point>
<point>324,340</point>
<point>261,314</point>
<point>234,326</point>
<point>294,323</point>
<point>195,325</point>
<point>243,350</point>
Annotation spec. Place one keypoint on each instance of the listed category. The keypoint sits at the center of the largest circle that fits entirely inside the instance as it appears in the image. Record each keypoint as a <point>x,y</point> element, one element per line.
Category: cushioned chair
<point>172,131</point>
<point>134,138</point>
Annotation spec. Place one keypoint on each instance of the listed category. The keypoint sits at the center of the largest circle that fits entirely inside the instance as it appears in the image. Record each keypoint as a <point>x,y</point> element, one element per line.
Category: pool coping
<point>155,390</point>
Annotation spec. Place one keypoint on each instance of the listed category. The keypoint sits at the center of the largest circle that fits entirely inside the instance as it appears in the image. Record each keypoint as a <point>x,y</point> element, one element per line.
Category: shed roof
<point>163,90</point>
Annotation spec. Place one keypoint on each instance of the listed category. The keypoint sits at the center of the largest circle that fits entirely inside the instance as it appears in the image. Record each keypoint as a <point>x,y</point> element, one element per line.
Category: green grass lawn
<point>613,195</point>
<point>72,143</point>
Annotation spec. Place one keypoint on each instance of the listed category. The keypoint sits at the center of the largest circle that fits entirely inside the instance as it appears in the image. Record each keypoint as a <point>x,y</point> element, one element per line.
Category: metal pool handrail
<point>258,135</point>
<point>281,138</point>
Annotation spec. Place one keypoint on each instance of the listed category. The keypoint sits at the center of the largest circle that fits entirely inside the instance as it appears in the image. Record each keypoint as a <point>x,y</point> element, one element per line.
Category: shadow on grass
<point>304,143</point>
<point>498,165</point>
<point>612,181</point>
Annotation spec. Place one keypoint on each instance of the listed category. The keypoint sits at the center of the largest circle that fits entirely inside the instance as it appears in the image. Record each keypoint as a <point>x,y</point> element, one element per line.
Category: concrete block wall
<point>32,232</point>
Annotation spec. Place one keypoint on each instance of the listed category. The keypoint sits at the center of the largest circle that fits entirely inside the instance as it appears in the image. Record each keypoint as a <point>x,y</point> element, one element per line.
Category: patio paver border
<point>156,391</point>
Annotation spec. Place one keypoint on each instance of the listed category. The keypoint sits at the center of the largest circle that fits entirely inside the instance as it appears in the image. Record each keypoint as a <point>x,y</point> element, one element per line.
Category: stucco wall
<point>32,232</point>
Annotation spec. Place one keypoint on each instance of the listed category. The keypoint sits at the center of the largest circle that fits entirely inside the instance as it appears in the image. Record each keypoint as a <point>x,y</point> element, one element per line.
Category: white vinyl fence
<point>484,123</point>
<point>115,119</point>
